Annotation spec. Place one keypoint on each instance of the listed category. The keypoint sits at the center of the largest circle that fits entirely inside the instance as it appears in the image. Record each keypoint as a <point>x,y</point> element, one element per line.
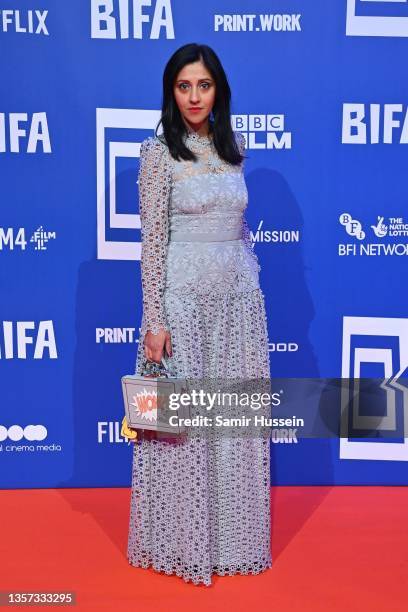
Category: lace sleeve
<point>246,232</point>
<point>154,190</point>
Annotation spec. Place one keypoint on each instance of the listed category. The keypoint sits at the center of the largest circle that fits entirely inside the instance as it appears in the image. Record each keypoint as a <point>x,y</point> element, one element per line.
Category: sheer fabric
<point>202,506</point>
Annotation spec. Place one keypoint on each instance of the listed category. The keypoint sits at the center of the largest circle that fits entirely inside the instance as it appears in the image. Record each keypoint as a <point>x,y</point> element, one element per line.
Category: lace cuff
<point>154,192</point>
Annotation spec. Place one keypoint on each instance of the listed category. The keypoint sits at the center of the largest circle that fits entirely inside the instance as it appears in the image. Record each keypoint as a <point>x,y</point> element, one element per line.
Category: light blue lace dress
<point>200,507</point>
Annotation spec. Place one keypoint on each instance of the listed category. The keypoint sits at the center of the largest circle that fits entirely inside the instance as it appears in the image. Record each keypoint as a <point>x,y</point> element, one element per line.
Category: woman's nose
<point>194,95</point>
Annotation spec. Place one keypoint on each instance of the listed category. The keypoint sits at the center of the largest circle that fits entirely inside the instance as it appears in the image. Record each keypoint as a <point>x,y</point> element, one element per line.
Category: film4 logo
<point>12,238</point>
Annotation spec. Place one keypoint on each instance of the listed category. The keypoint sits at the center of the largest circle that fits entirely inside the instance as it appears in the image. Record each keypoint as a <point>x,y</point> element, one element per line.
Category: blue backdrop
<point>320,94</point>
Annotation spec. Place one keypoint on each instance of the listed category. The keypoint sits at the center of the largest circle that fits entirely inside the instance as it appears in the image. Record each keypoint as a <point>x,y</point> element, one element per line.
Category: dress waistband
<point>218,236</point>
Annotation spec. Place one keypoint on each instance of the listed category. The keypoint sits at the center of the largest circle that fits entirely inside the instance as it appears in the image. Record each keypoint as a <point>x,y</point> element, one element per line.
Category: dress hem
<point>202,581</point>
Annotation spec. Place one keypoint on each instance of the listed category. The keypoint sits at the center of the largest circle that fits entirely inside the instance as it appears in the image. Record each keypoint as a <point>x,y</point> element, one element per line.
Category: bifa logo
<point>119,134</point>
<point>377,18</point>
<point>131,19</point>
<point>263,131</point>
<point>375,350</point>
<point>374,123</point>
<point>25,134</point>
<point>16,335</point>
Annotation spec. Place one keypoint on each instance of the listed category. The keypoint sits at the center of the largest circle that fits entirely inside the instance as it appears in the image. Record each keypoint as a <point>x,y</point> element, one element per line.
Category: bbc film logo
<point>377,18</point>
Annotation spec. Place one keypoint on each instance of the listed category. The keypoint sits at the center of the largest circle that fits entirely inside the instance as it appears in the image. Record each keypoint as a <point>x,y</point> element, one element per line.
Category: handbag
<point>146,398</point>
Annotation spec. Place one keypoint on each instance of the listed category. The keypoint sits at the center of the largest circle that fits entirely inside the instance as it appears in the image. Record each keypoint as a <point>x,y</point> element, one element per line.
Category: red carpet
<point>334,548</point>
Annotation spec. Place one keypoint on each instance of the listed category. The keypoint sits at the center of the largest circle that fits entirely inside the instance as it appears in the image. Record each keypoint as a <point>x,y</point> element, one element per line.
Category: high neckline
<point>193,136</point>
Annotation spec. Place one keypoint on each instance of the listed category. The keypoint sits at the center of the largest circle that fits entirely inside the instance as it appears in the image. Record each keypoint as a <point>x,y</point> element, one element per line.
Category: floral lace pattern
<point>154,191</point>
<point>186,194</point>
<point>200,506</point>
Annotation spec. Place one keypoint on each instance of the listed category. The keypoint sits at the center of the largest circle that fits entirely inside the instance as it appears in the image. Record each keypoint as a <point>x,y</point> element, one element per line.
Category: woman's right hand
<point>154,345</point>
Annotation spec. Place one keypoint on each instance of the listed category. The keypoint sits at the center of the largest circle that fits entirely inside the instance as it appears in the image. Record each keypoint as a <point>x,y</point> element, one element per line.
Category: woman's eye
<point>185,86</point>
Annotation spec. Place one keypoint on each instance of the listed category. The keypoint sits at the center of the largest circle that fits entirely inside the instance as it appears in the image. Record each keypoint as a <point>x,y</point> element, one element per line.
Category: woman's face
<point>194,88</point>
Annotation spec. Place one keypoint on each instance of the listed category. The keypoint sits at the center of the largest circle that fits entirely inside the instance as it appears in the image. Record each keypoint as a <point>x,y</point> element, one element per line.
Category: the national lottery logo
<point>374,394</point>
<point>396,226</point>
<point>377,18</point>
<point>380,229</point>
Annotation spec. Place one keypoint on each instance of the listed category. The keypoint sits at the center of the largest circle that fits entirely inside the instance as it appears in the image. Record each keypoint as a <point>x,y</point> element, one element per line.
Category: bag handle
<point>154,369</point>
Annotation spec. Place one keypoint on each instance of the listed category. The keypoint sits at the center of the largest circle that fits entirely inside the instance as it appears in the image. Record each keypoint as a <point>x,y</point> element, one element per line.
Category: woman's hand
<point>155,343</point>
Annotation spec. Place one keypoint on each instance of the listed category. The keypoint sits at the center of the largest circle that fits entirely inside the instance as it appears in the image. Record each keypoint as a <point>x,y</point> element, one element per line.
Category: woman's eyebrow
<point>187,81</point>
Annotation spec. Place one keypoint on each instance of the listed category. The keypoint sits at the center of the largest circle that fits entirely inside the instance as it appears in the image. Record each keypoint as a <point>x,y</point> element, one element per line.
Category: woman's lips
<point>195,110</point>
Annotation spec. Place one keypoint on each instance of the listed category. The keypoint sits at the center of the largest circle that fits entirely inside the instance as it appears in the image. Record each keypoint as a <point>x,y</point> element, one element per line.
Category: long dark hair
<point>174,127</point>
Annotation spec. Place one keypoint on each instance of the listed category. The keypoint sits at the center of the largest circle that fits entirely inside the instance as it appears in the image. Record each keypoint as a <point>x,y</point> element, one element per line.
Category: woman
<point>201,506</point>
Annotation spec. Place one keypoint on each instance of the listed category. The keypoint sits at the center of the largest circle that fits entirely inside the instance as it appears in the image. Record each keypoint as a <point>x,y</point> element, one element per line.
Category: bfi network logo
<point>374,347</point>
<point>377,18</point>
